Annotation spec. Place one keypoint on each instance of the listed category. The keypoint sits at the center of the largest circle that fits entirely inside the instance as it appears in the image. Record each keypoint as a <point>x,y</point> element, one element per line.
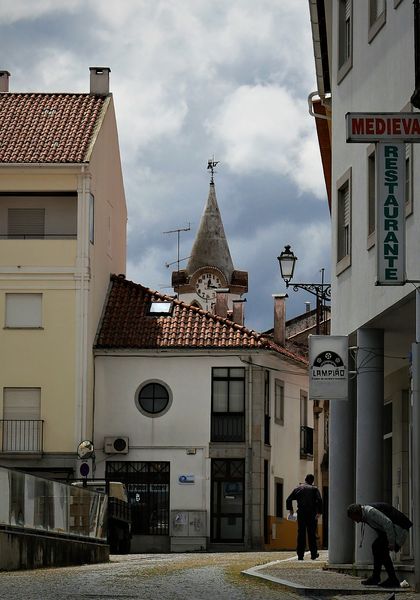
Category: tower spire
<point>211,164</point>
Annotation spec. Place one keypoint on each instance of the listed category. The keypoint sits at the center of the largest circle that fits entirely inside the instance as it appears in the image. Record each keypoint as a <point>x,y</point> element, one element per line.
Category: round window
<point>153,398</point>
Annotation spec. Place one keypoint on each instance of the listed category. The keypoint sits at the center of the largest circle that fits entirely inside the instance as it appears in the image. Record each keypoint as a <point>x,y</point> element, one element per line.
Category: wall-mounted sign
<point>328,367</point>
<point>186,478</point>
<point>382,127</point>
<point>390,213</point>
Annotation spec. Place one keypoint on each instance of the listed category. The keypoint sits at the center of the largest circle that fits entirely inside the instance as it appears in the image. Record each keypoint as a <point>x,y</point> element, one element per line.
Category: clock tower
<point>210,273</point>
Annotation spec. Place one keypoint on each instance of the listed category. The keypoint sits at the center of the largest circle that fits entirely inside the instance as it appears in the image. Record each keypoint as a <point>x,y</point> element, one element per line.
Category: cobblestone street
<point>149,576</point>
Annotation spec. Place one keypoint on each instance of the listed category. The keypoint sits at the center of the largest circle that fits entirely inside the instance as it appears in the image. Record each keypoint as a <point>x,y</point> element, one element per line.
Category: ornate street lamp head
<point>287,261</point>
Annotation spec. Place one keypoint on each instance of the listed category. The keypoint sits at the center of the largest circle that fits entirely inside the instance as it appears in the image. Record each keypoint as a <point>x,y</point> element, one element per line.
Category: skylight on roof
<point>160,308</point>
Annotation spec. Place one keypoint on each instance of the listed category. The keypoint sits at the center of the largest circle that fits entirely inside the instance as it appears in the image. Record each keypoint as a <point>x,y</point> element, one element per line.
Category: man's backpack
<point>396,516</point>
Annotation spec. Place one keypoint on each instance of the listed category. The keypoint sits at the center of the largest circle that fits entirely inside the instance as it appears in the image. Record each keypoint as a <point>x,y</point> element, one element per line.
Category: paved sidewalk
<point>310,578</point>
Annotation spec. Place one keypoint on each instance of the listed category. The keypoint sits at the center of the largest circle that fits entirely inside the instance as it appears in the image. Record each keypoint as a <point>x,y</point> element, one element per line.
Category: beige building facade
<point>62,232</point>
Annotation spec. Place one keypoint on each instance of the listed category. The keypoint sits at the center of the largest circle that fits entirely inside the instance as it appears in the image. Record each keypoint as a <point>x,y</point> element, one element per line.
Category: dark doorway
<point>227,501</point>
<point>148,494</point>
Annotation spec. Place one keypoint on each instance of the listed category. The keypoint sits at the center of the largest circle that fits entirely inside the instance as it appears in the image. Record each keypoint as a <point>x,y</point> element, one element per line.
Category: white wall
<point>381,80</point>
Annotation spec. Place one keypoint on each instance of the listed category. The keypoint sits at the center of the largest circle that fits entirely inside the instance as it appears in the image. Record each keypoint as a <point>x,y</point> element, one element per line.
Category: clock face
<point>207,284</point>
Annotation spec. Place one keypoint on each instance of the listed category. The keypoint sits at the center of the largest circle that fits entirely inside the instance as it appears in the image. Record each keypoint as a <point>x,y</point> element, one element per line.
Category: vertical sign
<point>390,213</point>
<point>328,367</point>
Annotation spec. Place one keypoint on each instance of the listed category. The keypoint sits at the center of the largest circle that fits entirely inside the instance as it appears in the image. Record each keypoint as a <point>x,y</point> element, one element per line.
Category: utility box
<point>188,530</point>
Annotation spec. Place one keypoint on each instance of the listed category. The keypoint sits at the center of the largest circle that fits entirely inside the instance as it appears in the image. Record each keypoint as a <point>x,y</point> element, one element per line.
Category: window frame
<point>227,378</point>
<point>371,195</point>
<point>7,324</point>
<point>145,412</point>
<point>376,22</point>
<point>343,262</point>
<point>345,39</point>
<point>279,402</point>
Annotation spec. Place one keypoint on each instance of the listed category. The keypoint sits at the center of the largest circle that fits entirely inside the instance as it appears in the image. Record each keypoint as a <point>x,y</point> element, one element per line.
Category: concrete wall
<point>23,550</point>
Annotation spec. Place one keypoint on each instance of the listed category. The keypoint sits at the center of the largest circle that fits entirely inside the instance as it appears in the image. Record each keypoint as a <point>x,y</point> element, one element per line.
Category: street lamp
<point>322,291</point>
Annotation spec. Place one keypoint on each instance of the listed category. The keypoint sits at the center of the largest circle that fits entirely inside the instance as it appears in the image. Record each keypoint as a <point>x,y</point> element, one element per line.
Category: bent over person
<point>392,527</point>
<point>309,507</point>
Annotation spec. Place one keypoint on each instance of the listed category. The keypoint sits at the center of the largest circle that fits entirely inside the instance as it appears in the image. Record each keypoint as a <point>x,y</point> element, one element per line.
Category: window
<point>306,433</point>
<point>279,402</point>
<point>345,35</point>
<point>153,398</point>
<point>24,311</point>
<point>279,497</point>
<point>267,407</point>
<point>228,404</point>
<point>22,425</point>
<point>160,308</point>
<point>371,196</point>
<point>344,222</point>
<point>303,408</point>
<point>91,219</point>
<point>26,223</point>
<point>408,179</point>
<point>387,453</point>
<point>377,17</point>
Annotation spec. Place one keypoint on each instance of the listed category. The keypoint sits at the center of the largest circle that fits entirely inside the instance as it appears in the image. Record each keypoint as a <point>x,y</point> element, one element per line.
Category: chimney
<point>99,80</point>
<point>4,81</point>
<point>238,311</point>
<point>221,306</point>
<point>279,333</point>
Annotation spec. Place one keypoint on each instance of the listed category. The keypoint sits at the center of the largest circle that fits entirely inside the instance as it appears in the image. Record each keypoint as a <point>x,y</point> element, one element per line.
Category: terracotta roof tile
<point>127,324</point>
<point>47,128</point>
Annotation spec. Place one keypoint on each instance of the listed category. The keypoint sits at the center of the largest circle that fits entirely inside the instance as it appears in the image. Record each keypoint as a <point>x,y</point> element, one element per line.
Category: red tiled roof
<point>47,128</point>
<point>127,324</point>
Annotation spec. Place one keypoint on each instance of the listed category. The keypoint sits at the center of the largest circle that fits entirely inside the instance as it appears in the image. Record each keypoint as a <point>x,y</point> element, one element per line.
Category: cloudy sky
<point>193,79</point>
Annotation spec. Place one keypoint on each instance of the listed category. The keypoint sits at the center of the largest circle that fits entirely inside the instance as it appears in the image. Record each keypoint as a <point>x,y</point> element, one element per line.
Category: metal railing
<point>306,440</point>
<point>227,427</point>
<point>39,236</point>
<point>24,436</point>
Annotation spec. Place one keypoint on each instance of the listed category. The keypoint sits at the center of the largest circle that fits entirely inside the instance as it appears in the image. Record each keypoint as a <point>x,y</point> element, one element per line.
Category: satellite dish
<point>85,449</point>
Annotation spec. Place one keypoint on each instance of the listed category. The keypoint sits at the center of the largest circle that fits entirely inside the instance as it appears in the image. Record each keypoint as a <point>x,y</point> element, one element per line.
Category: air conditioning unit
<point>116,445</point>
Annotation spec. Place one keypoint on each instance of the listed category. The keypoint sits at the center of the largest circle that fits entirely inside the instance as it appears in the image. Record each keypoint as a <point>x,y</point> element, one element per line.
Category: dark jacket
<point>308,499</point>
<point>396,516</point>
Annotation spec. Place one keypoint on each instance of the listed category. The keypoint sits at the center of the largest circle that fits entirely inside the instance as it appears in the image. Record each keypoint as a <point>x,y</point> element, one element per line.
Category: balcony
<point>306,441</point>
<point>45,251</point>
<point>23,436</point>
<point>227,427</point>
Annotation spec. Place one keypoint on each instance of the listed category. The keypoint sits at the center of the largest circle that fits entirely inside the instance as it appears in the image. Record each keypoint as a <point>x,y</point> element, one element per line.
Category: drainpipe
<point>415,98</point>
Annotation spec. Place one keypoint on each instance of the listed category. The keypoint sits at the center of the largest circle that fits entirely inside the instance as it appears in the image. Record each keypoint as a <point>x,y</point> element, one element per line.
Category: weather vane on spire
<point>211,166</point>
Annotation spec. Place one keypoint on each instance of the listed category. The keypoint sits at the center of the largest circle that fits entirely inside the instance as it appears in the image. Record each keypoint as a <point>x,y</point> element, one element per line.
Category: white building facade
<point>364,55</point>
<point>209,418</point>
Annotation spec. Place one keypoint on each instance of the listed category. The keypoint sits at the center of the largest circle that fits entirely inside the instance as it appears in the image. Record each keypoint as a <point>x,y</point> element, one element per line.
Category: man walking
<point>392,527</point>
<point>309,507</point>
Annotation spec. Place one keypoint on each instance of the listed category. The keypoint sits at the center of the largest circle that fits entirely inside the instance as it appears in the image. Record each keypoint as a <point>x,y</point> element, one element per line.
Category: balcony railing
<point>306,440</point>
<point>227,427</point>
<point>23,436</point>
<point>39,236</point>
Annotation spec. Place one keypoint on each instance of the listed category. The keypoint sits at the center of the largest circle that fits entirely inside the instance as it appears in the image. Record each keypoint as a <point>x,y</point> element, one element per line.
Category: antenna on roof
<point>211,164</point>
<point>178,232</point>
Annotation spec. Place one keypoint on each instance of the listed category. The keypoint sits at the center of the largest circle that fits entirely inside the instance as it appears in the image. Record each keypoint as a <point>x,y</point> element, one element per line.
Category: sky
<point>193,80</point>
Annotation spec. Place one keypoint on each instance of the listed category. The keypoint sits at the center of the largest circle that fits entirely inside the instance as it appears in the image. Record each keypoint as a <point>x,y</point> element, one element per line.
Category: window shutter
<point>26,222</point>
<point>346,208</point>
<point>347,10</point>
<point>23,310</point>
<point>22,403</point>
